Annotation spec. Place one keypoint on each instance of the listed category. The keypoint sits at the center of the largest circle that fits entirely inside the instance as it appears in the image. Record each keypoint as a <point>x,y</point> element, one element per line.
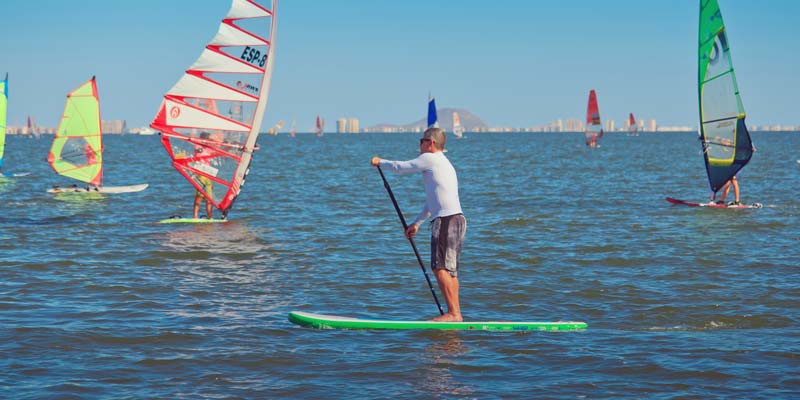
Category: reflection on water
<point>230,238</point>
<point>441,357</point>
<point>226,270</point>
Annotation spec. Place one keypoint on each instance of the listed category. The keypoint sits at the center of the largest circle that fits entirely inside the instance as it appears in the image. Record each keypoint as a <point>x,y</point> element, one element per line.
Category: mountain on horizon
<point>469,121</point>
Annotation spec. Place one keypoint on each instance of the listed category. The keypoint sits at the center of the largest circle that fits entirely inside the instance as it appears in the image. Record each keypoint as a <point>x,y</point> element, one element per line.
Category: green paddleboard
<point>322,321</point>
<point>191,221</point>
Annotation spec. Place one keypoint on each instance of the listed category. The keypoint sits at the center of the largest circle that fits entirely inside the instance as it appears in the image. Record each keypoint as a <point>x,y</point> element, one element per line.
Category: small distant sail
<point>3,109</point>
<point>433,120</point>
<point>594,129</point>
<point>727,146</point>
<point>77,150</point>
<point>212,150</point>
<point>633,130</point>
<point>320,126</point>
<point>276,128</point>
<point>458,130</point>
<point>291,130</point>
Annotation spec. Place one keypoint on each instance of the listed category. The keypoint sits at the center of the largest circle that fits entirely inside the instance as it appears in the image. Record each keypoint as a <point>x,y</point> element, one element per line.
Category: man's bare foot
<point>448,317</point>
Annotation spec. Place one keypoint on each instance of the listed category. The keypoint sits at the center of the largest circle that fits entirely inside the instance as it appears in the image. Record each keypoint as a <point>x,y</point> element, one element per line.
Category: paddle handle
<point>410,239</point>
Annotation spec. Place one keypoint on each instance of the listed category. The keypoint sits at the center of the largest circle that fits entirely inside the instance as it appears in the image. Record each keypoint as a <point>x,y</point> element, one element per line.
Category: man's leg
<point>196,210</point>
<point>448,284</point>
<point>725,190</point>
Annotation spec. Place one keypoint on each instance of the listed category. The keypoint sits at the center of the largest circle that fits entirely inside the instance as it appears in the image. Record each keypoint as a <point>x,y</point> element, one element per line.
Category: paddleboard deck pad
<point>712,205</point>
<point>179,220</point>
<point>99,189</point>
<point>322,321</point>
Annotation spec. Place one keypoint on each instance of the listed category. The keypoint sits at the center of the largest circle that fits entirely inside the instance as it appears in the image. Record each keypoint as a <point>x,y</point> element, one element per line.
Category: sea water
<point>97,300</point>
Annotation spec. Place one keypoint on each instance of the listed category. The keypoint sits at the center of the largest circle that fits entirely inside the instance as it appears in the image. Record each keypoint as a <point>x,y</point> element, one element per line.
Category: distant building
<point>610,125</point>
<point>341,125</point>
<point>114,126</point>
<point>574,125</point>
<point>641,125</point>
<point>559,126</point>
<point>652,125</point>
<point>352,125</point>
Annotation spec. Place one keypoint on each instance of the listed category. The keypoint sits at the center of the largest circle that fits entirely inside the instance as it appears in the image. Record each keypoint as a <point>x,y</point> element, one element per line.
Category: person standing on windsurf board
<point>448,226</point>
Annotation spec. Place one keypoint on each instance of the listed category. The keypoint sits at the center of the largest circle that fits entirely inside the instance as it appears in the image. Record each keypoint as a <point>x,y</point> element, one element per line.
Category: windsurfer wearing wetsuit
<point>448,227</point>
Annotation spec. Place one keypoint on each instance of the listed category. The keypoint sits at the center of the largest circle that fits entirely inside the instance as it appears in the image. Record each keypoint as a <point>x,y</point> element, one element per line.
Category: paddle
<point>411,240</point>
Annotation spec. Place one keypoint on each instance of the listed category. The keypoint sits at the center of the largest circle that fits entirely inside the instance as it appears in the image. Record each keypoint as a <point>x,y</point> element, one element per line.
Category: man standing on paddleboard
<point>448,226</point>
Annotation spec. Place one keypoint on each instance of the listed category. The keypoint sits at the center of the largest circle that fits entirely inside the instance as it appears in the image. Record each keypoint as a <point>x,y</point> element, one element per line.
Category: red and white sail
<point>210,148</point>
<point>320,126</point>
<point>594,129</point>
<point>633,130</point>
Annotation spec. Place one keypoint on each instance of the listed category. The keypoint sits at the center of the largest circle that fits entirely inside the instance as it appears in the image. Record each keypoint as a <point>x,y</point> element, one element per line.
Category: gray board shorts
<point>447,237</point>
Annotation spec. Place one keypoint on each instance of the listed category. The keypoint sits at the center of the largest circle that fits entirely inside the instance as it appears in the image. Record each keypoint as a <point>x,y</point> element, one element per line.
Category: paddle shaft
<point>410,239</point>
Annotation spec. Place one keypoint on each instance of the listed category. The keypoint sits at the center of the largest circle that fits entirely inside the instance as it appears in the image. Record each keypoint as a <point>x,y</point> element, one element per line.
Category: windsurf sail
<point>458,130</point>
<point>727,146</point>
<point>433,120</point>
<point>594,129</point>
<point>3,108</point>
<point>292,132</point>
<point>77,149</point>
<point>320,126</point>
<point>211,150</point>
<point>633,130</point>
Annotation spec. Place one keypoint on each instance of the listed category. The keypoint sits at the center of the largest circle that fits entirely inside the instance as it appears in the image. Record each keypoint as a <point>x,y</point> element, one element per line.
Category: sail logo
<point>254,56</point>
<point>246,86</point>
<point>720,46</point>
<point>175,112</point>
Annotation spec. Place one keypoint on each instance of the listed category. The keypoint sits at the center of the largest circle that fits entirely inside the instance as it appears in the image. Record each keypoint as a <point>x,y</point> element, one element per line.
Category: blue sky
<point>512,62</point>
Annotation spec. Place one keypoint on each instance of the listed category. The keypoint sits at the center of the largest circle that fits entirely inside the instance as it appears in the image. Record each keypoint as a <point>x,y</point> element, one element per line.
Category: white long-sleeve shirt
<point>441,183</point>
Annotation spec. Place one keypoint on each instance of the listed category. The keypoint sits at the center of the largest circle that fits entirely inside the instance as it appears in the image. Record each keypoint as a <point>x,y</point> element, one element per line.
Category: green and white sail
<point>727,147</point>
<point>77,150</point>
<point>3,108</point>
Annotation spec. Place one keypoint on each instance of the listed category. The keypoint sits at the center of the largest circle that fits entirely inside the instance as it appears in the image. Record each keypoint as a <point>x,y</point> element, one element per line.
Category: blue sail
<point>433,120</point>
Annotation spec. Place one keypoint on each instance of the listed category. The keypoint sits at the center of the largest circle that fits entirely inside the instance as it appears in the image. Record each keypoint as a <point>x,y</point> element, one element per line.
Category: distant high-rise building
<point>610,125</point>
<point>352,125</point>
<point>559,125</point>
<point>641,125</point>
<point>341,125</point>
<point>652,125</point>
<point>115,126</point>
<point>574,125</point>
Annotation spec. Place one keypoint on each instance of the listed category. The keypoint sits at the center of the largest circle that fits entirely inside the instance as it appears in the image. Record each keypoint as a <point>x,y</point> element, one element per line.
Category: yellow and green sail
<point>727,146</point>
<point>77,150</point>
<point>3,108</point>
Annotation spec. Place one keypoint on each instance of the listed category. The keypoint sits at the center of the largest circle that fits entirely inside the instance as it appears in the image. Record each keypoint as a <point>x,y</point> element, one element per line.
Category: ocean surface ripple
<point>97,300</point>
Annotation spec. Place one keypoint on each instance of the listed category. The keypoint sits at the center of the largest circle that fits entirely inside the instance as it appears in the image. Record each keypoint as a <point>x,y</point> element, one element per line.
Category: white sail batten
<point>212,61</point>
<point>192,86</point>
<point>245,9</point>
<point>230,36</point>
<point>191,117</point>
